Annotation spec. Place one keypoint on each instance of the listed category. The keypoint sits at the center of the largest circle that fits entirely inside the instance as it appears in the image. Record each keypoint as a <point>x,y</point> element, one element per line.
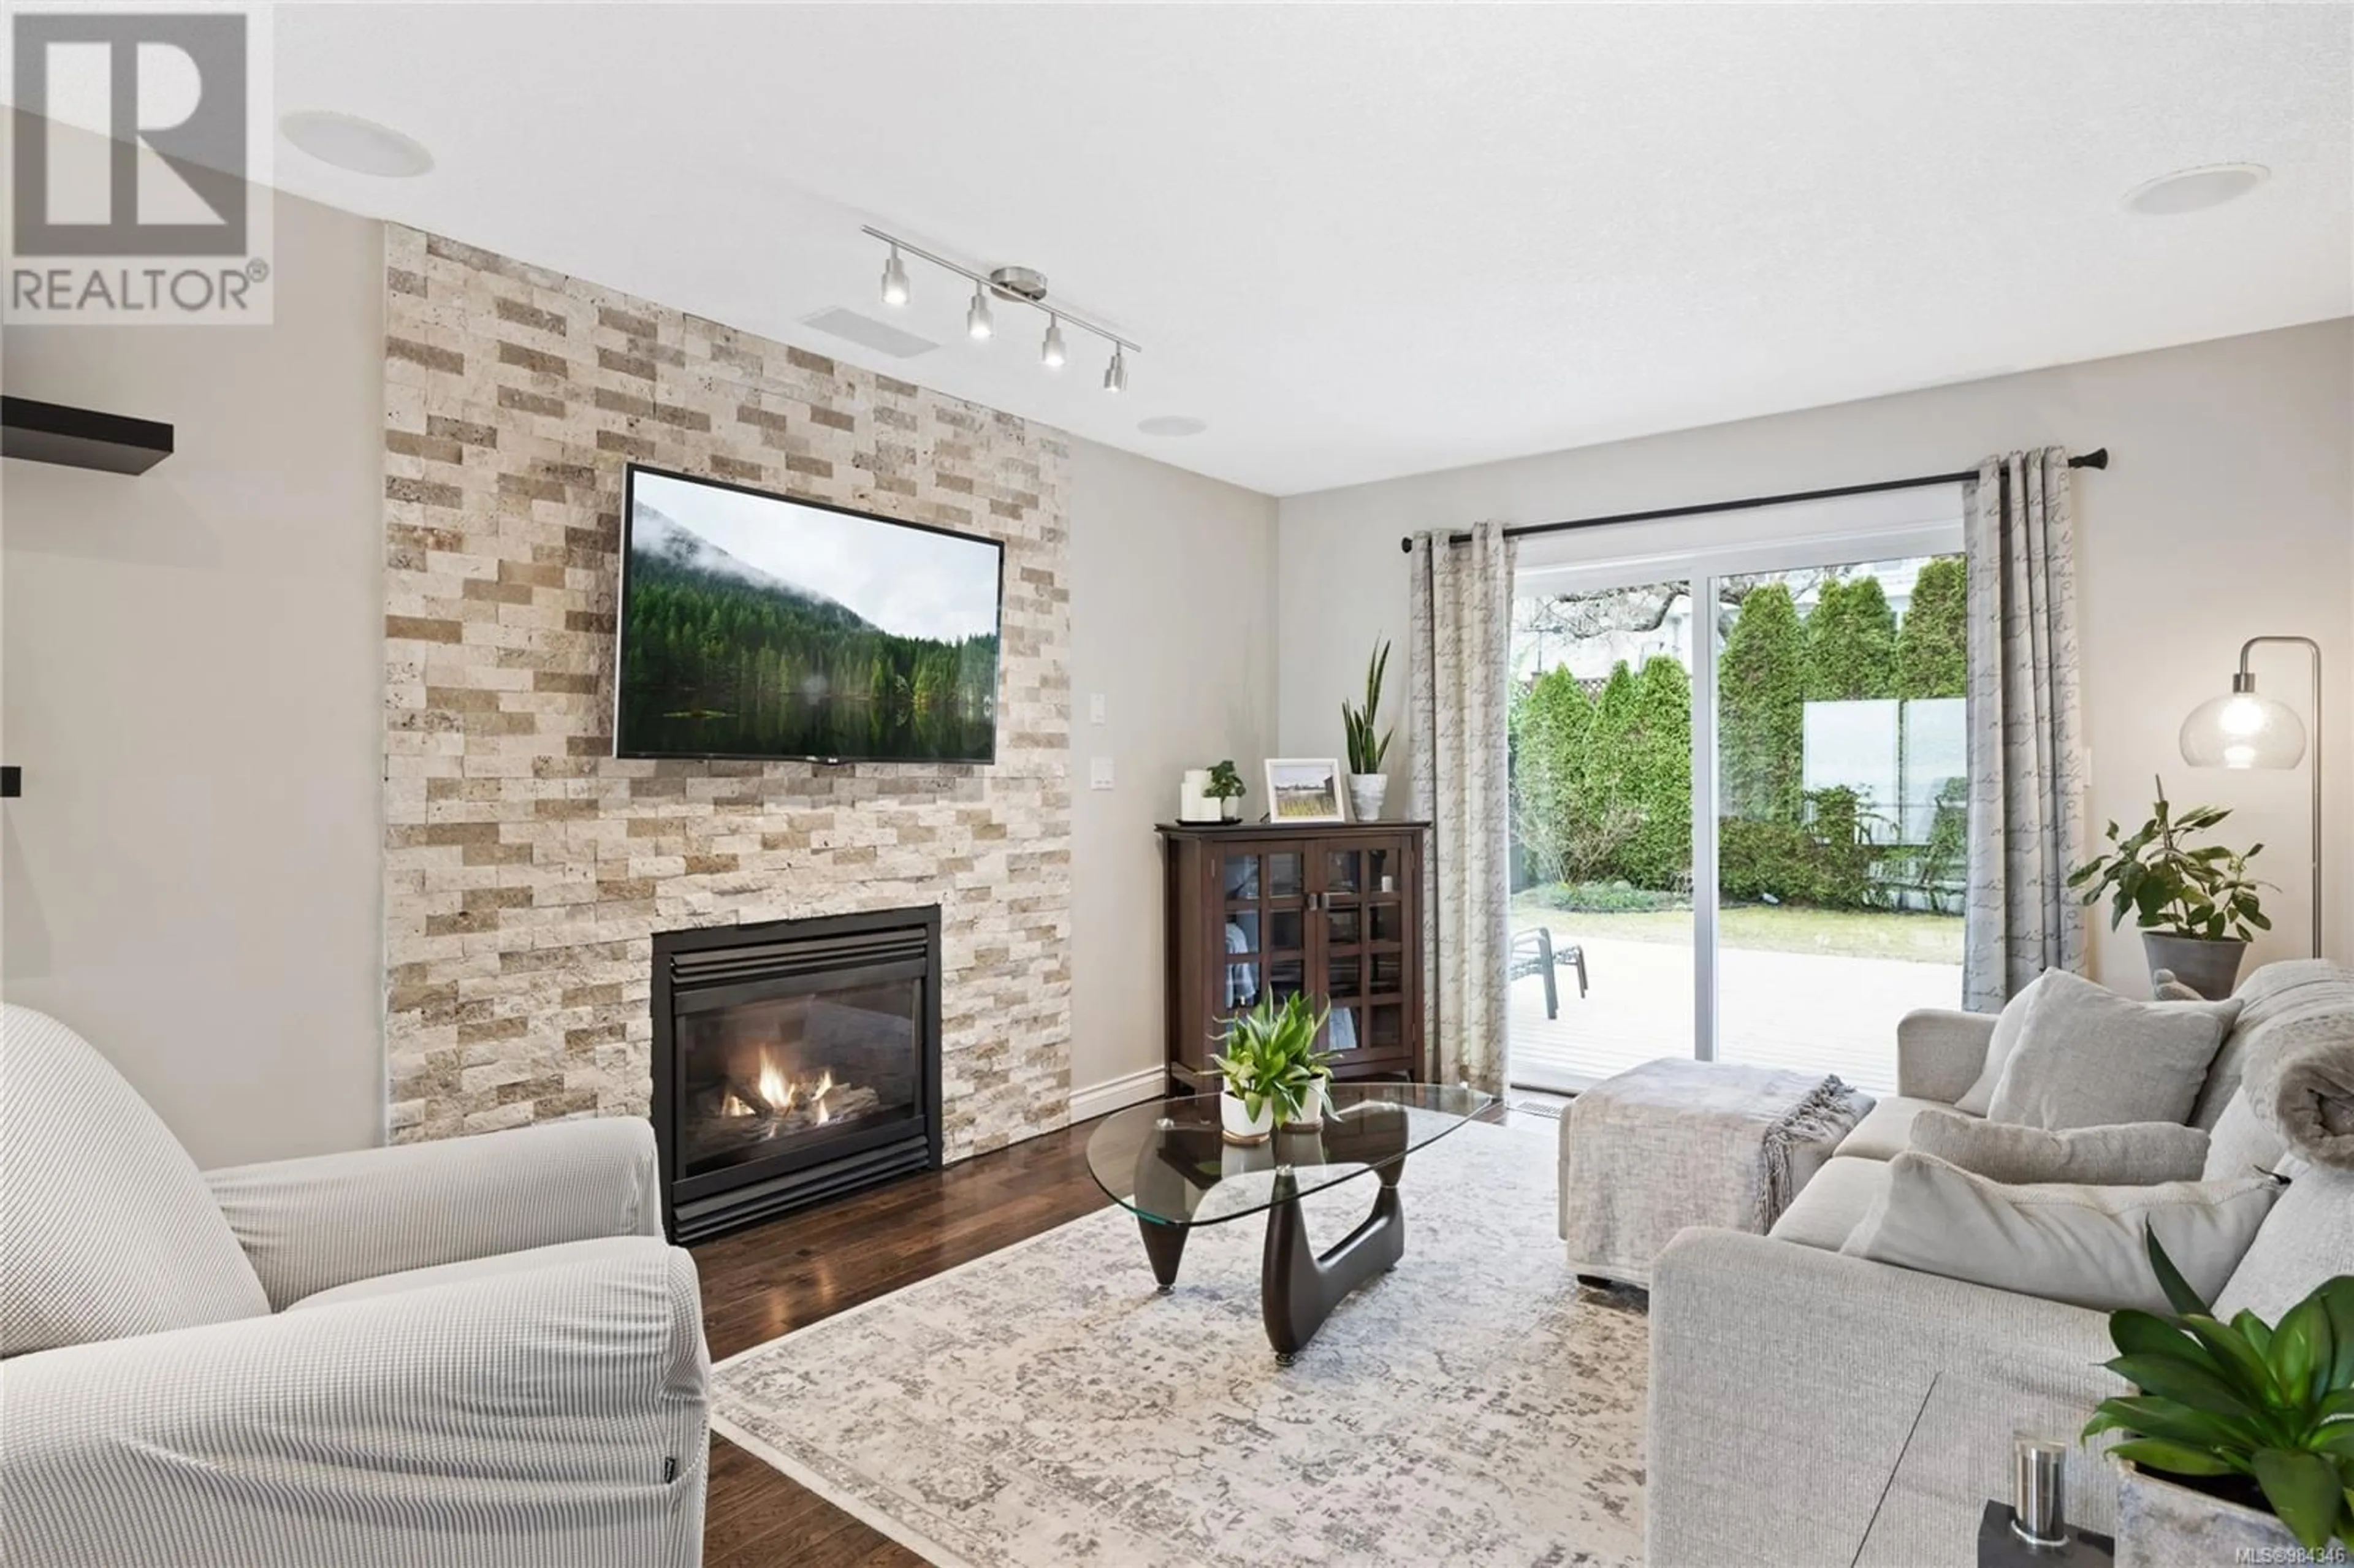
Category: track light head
<point>1116,373</point>
<point>976,315</point>
<point>894,279</point>
<point>1050,352</point>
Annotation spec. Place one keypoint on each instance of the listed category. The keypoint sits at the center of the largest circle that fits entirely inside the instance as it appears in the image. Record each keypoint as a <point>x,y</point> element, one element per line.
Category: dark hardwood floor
<point>773,1279</point>
<point>770,1279</point>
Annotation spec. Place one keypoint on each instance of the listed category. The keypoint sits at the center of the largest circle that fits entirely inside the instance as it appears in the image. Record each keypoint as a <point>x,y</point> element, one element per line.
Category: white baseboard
<point>1115,1094</point>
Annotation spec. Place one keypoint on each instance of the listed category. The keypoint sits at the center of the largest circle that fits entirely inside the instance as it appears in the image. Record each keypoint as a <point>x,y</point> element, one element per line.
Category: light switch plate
<point>1100,773</point>
<point>1096,708</point>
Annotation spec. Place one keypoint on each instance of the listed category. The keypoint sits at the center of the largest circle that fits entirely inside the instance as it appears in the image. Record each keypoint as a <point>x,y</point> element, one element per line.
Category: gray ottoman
<point>1675,1143</point>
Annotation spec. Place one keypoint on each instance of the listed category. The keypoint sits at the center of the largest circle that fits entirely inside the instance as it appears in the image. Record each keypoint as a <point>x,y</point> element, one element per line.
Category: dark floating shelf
<point>80,438</point>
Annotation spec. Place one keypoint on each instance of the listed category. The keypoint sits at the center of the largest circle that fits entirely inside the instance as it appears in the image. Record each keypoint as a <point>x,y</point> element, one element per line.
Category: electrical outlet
<point>1100,773</point>
<point>1096,708</point>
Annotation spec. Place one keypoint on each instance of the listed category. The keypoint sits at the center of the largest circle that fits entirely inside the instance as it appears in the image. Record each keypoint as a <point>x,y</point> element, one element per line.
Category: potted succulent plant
<point>2197,908</point>
<point>1226,790</point>
<point>2253,1421</point>
<point>1271,1069</point>
<point>1368,785</point>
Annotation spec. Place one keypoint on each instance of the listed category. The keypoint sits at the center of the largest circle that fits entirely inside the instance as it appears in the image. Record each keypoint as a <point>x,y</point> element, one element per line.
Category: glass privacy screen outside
<point>754,625</point>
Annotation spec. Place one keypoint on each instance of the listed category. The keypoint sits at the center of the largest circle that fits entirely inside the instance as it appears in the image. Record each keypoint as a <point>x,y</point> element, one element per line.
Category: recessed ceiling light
<point>1171,425</point>
<point>2191,190</point>
<point>348,141</point>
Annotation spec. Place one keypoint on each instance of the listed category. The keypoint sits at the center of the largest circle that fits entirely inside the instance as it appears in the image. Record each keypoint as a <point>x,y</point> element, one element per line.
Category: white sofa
<point>478,1351</point>
<point>1786,1376</point>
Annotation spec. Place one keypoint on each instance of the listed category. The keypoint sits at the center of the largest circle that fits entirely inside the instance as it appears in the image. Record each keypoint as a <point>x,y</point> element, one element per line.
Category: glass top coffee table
<point>1169,1163</point>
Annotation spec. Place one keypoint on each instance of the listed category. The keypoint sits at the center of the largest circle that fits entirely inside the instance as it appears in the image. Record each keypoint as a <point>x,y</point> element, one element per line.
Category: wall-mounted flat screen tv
<point>754,625</point>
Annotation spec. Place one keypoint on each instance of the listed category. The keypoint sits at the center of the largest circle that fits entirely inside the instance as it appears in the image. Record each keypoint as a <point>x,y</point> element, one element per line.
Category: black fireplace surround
<point>794,1062</point>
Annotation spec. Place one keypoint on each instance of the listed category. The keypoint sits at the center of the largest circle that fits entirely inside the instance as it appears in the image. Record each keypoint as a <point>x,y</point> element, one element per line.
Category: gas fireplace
<point>793,1061</point>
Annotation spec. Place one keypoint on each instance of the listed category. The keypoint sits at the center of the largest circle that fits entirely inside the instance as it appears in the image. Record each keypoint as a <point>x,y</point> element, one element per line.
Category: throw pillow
<point>2136,1154</point>
<point>2005,1039</point>
<point>2081,1244</point>
<point>2089,1058</point>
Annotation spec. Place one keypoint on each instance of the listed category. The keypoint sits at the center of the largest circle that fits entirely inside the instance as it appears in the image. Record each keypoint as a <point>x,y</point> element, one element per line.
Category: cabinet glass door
<point>1264,909</point>
<point>1360,921</point>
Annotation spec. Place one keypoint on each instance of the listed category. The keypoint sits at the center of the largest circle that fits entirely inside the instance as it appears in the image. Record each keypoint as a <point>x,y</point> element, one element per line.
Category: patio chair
<point>1533,953</point>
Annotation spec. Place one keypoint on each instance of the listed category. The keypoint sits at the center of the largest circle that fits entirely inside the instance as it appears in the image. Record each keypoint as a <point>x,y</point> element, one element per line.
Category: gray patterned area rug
<point>1043,1405</point>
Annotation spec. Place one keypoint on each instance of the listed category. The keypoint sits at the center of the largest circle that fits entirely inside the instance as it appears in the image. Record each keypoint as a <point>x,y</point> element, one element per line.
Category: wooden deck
<point>1820,1013</point>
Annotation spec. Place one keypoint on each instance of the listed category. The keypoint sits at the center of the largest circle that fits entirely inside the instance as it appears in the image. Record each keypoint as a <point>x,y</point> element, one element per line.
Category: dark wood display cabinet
<point>1275,909</point>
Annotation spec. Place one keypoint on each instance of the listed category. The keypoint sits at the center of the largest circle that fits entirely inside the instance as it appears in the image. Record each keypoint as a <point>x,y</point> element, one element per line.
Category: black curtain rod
<point>2098,457</point>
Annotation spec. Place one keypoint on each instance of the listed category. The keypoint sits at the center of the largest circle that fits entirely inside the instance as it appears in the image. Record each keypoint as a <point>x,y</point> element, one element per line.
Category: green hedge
<point>1932,657</point>
<point>1761,707</point>
<point>1850,643</point>
<point>1602,784</point>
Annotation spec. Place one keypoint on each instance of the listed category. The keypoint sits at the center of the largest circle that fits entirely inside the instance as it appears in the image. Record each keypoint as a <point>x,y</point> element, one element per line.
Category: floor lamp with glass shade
<point>2245,729</point>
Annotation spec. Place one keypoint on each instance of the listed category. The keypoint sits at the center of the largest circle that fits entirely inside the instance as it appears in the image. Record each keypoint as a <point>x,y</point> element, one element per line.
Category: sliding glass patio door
<point>1602,954</point>
<point>1738,806</point>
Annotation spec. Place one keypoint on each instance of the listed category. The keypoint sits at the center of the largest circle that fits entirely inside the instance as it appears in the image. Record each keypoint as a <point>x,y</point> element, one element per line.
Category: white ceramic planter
<point>1311,1109</point>
<point>1239,1125</point>
<point>2163,1525</point>
<point>1194,803</point>
<point>1366,793</point>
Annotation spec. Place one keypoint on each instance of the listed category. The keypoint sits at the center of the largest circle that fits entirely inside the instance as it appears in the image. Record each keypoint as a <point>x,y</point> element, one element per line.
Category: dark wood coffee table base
<point>1298,1288</point>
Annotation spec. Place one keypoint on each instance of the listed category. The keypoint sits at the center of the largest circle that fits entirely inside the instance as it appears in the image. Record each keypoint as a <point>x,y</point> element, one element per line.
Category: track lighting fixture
<point>1013,286</point>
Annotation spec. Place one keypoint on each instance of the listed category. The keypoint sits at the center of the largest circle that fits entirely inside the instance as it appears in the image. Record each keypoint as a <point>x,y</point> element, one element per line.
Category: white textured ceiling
<point>1368,241</point>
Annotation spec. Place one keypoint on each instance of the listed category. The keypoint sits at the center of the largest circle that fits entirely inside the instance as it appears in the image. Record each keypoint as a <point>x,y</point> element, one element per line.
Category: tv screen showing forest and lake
<point>757,626</point>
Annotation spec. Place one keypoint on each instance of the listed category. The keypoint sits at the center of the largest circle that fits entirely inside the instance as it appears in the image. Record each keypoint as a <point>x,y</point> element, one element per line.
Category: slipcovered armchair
<point>476,1351</point>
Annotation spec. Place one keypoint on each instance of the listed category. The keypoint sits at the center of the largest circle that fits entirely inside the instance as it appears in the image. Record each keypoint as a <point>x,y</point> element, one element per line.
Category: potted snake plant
<point>1368,785</point>
<point>2239,1438</point>
<point>1270,1070</point>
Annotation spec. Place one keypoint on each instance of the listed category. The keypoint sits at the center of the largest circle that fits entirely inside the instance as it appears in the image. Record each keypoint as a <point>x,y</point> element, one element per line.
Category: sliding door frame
<point>1699,570</point>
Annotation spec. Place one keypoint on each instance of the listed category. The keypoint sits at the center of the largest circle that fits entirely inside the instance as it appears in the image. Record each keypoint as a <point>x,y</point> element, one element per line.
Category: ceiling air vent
<point>865,331</point>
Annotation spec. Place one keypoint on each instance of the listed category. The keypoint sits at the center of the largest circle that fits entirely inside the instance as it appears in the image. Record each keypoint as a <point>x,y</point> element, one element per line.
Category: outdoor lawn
<point>1766,928</point>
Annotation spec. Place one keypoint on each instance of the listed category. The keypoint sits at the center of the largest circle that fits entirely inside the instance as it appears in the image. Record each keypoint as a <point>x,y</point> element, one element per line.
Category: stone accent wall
<point>527,868</point>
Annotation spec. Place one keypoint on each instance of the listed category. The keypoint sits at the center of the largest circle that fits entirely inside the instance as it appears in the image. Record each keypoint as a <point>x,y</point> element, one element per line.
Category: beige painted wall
<point>193,666</point>
<point>1173,623</point>
<point>2226,513</point>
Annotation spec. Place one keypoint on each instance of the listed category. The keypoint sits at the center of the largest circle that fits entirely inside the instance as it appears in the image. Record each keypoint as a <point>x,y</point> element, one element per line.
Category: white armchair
<point>472,1351</point>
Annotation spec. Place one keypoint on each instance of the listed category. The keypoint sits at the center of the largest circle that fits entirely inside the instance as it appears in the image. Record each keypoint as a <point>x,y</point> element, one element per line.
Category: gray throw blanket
<point>1676,1143</point>
<point>2299,1078</point>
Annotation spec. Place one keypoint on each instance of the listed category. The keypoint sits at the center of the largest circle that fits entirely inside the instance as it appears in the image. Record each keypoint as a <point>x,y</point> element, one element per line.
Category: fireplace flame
<point>777,1097</point>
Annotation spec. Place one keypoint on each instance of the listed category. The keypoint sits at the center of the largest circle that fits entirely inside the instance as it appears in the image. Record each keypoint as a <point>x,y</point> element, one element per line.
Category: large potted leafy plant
<point>2256,1422</point>
<point>1271,1070</point>
<point>1368,785</point>
<point>2197,907</point>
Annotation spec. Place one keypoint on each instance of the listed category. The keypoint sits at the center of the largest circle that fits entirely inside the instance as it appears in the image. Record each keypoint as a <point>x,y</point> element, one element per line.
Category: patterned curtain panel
<point>2026,729</point>
<point>1461,667</point>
